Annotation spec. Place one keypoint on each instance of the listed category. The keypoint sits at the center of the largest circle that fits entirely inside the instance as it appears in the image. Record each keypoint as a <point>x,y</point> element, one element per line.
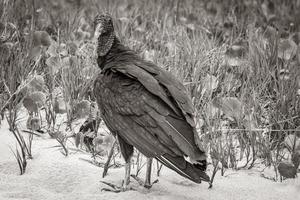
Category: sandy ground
<point>50,175</point>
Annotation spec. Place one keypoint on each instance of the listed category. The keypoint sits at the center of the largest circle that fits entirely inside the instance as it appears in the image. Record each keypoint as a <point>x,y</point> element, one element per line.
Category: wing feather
<point>150,125</point>
<point>163,85</point>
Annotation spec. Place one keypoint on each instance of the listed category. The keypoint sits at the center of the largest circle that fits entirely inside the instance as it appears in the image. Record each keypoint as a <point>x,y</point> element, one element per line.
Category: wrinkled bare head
<point>104,33</point>
<point>103,24</point>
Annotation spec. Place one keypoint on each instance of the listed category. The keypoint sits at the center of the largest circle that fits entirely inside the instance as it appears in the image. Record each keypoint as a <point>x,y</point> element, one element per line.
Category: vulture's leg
<point>147,183</point>
<point>127,175</point>
<point>127,152</point>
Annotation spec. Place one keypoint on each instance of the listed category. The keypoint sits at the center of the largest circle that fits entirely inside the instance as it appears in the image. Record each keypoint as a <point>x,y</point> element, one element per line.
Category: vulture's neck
<point>114,54</point>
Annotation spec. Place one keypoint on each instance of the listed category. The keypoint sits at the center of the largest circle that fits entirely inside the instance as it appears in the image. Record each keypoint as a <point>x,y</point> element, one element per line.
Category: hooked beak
<point>98,31</point>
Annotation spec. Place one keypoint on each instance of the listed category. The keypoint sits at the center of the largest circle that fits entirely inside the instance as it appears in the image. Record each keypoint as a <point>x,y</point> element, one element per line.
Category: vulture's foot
<point>116,188</point>
<point>146,184</point>
<point>125,184</point>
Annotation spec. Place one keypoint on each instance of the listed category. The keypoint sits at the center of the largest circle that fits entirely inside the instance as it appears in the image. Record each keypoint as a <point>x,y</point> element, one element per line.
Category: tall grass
<point>244,104</point>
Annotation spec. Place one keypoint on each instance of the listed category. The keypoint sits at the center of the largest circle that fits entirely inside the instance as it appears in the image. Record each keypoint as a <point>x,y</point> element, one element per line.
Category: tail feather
<point>194,172</point>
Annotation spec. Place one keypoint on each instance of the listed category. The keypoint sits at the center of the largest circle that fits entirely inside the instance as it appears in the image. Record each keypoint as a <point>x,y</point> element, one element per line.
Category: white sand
<point>50,175</point>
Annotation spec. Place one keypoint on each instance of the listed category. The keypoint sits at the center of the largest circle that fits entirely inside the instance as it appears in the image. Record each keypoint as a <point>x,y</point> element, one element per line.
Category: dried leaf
<point>292,142</point>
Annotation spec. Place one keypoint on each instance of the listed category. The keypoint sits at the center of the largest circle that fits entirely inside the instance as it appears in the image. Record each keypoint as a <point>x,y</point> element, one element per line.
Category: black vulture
<point>145,107</point>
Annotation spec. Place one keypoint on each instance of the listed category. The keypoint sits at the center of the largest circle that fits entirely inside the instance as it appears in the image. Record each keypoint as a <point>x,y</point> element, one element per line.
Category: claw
<point>110,190</point>
<point>143,183</point>
<point>150,186</point>
<point>115,188</point>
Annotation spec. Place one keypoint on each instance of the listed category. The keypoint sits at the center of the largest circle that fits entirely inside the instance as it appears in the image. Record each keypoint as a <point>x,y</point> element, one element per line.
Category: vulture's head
<point>104,33</point>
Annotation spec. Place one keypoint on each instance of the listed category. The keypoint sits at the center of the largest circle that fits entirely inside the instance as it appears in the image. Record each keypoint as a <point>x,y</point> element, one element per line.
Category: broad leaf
<point>82,109</point>
<point>287,49</point>
<point>37,83</point>
<point>41,38</point>
<point>39,98</point>
<point>292,142</point>
<point>33,101</point>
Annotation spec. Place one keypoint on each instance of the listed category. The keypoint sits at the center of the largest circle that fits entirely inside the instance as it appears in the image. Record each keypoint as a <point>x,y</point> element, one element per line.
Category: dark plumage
<point>145,106</point>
